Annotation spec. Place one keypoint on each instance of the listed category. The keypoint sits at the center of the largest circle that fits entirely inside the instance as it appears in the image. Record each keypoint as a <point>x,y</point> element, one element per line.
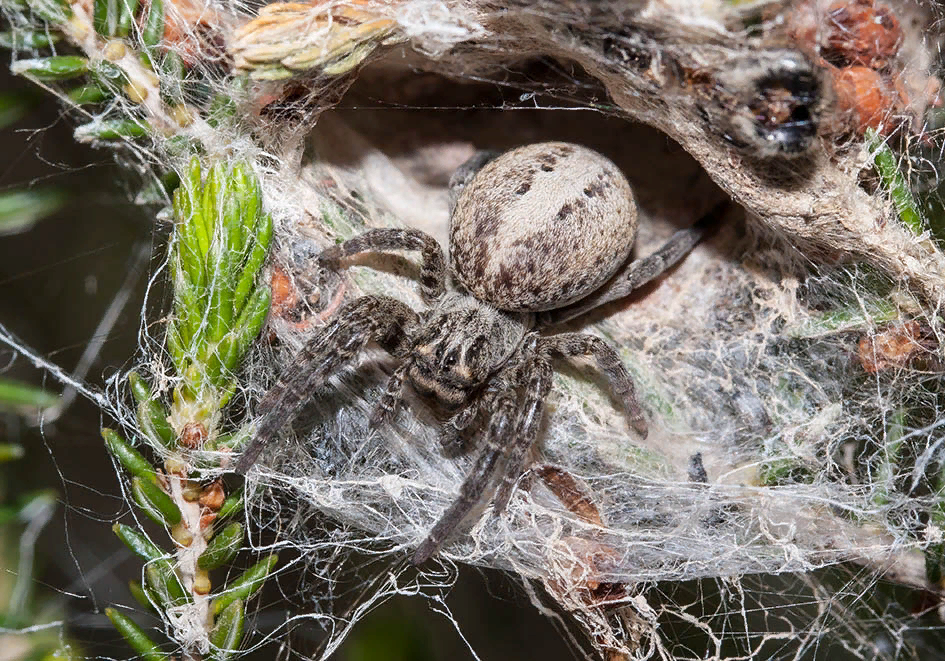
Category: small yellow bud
<point>182,535</point>
<point>175,466</point>
<point>182,115</point>
<point>136,93</point>
<point>202,582</point>
<point>191,491</point>
<point>114,50</point>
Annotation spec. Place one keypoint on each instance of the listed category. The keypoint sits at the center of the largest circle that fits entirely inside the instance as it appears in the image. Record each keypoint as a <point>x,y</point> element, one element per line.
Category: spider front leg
<point>471,492</point>
<point>568,345</point>
<point>538,373</point>
<point>389,404</point>
<point>451,434</point>
<point>432,268</point>
<point>384,320</point>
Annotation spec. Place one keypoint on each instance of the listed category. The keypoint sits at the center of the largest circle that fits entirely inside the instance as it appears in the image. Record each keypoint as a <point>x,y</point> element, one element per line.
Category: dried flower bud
<point>864,94</point>
<point>212,496</point>
<point>193,435</point>
<point>860,32</point>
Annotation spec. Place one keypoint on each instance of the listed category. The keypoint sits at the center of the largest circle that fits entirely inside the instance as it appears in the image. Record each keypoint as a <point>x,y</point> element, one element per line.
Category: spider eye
<point>475,350</point>
<point>451,358</point>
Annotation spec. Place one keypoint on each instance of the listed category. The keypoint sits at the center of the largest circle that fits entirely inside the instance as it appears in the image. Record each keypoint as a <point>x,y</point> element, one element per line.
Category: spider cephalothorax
<point>459,345</point>
<point>524,257</point>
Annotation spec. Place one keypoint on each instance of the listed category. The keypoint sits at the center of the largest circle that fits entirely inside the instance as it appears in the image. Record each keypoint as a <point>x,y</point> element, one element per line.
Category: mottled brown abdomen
<point>542,226</point>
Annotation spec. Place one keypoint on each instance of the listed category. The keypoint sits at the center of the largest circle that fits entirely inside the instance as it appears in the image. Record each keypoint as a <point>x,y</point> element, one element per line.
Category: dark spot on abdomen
<point>547,160</point>
<point>565,211</point>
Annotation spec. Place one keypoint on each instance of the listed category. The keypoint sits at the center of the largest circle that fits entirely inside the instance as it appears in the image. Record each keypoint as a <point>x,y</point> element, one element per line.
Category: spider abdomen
<point>542,226</point>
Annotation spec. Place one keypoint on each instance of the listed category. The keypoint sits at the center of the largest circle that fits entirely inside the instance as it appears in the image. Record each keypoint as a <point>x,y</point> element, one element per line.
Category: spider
<point>538,236</point>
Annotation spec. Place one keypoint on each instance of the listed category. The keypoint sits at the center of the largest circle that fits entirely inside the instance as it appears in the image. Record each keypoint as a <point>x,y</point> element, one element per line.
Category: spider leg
<point>465,173</point>
<point>637,273</point>
<point>476,483</point>
<point>450,436</point>
<point>538,373</point>
<point>581,344</point>
<point>384,320</point>
<point>432,268</point>
<point>389,404</point>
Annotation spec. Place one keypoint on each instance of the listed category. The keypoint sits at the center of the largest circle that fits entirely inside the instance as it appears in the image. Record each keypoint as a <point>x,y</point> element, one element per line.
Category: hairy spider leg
<point>637,273</point>
<point>389,404</point>
<point>465,173</point>
<point>384,320</point>
<point>501,427</point>
<point>570,345</point>
<point>432,286</point>
<point>537,371</point>
<point>514,429</point>
<point>451,436</point>
<point>432,268</point>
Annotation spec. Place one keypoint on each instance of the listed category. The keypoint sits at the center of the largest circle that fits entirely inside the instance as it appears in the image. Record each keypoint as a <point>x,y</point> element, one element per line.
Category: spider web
<point>792,359</point>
